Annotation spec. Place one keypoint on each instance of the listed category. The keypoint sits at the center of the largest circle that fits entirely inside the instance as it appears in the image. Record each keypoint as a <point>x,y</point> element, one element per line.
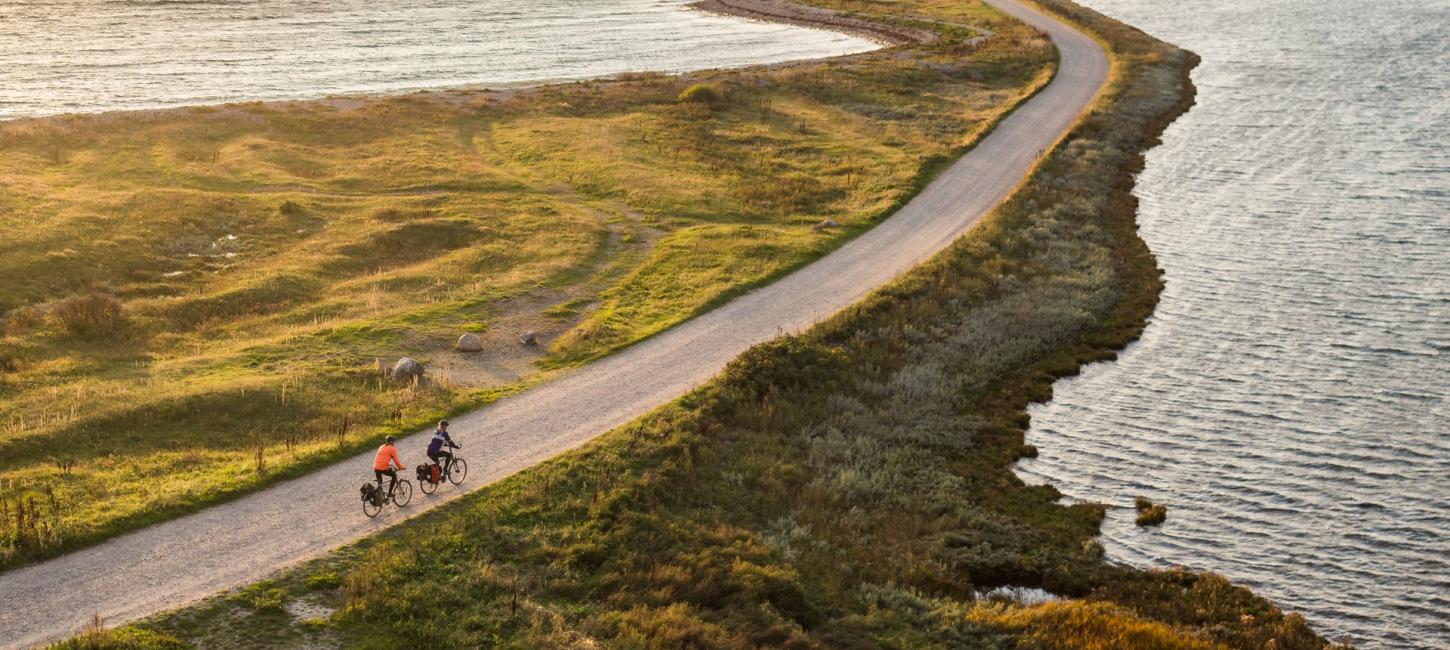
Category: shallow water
<point>1288,401</point>
<point>62,56</point>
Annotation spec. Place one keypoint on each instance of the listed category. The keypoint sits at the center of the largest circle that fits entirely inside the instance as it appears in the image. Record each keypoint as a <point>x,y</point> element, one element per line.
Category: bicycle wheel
<point>403,494</point>
<point>457,471</point>
<point>372,506</point>
<point>428,486</point>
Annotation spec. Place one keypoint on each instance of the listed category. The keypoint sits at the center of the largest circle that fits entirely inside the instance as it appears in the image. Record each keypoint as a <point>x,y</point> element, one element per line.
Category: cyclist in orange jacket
<point>387,454</point>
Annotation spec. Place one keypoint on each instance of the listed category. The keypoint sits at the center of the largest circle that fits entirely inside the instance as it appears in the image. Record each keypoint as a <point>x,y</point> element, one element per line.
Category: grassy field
<point>846,488</point>
<point>193,300</point>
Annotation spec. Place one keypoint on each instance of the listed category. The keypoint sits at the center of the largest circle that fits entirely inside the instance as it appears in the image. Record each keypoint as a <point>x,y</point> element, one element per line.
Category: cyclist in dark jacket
<point>439,441</point>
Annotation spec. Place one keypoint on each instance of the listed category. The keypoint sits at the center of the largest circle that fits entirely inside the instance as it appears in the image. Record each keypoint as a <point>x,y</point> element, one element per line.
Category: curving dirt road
<point>173,563</point>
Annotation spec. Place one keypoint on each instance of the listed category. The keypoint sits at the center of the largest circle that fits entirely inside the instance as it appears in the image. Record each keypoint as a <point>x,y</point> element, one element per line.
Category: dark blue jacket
<point>439,437</point>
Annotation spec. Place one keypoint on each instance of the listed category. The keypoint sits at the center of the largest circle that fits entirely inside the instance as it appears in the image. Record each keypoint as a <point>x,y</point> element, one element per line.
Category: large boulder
<point>406,370</point>
<point>470,342</point>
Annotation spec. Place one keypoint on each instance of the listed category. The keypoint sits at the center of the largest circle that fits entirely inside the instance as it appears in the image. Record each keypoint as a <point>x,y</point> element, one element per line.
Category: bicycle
<point>455,471</point>
<point>374,497</point>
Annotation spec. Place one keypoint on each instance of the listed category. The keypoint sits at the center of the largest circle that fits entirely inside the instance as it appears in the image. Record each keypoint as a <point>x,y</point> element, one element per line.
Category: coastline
<point>1128,319</point>
<point>1222,434</point>
<point>693,429</point>
<point>790,13</point>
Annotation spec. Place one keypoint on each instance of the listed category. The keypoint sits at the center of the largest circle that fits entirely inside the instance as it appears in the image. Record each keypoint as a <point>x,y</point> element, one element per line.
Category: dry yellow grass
<point>1078,625</point>
<point>262,255</point>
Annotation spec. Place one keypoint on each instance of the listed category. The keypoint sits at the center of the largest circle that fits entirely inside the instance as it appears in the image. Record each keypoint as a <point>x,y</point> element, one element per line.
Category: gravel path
<point>174,563</point>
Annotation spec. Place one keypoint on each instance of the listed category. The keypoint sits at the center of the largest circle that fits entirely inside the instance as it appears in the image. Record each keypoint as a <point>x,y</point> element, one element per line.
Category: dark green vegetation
<point>193,300</point>
<point>1149,513</point>
<point>847,488</point>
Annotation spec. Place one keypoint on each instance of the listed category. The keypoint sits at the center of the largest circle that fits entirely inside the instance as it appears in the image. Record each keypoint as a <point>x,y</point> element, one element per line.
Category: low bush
<point>89,314</point>
<point>1149,513</point>
<point>10,360</point>
<point>1153,515</point>
<point>702,93</point>
<point>21,320</point>
<point>290,208</point>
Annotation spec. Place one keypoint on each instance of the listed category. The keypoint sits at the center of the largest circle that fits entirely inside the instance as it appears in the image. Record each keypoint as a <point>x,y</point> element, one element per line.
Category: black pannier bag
<point>425,474</point>
<point>367,490</point>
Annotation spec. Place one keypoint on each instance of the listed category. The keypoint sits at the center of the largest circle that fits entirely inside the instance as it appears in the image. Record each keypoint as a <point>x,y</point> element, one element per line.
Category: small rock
<point>406,370</point>
<point>529,338</point>
<point>470,342</point>
<point>825,225</point>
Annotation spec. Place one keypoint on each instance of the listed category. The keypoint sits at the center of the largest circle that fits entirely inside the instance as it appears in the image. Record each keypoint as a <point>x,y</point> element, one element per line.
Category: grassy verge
<point>193,300</point>
<point>847,488</point>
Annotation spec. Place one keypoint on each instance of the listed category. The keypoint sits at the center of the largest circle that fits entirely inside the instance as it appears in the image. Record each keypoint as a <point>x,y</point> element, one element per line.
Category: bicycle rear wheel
<point>427,485</point>
<point>372,506</point>
<point>457,471</point>
<point>403,494</point>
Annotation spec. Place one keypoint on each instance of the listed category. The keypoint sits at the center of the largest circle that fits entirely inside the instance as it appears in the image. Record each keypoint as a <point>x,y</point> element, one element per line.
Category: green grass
<point>850,487</point>
<point>261,256</point>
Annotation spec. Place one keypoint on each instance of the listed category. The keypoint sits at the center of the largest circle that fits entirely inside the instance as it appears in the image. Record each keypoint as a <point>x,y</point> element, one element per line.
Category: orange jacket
<point>387,453</point>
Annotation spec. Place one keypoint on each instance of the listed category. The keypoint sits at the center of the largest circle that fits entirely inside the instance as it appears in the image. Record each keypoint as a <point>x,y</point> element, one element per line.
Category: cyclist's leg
<point>433,456</point>
<point>392,481</point>
<point>444,460</point>
<point>379,475</point>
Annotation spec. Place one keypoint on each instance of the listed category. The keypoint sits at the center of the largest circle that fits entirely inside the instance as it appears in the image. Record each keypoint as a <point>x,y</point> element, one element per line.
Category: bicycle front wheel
<point>457,471</point>
<point>403,494</point>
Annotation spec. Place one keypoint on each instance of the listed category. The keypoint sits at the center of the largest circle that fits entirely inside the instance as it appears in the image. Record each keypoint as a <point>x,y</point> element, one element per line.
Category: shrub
<point>21,320</point>
<point>266,600</point>
<point>93,313</point>
<point>1149,513</point>
<point>327,579</point>
<point>701,94</point>
<point>290,208</point>
<point>9,361</point>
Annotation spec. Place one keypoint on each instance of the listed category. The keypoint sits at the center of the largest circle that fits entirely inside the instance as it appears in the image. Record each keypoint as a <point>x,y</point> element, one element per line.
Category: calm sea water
<point>60,56</point>
<point>1288,401</point>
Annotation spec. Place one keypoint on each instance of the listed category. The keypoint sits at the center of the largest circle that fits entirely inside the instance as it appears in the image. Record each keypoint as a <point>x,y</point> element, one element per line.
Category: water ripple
<point>107,54</point>
<point>1288,399</point>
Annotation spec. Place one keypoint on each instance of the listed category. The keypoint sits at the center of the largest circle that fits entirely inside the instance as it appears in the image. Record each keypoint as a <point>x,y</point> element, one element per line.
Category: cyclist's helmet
<point>389,440</point>
<point>443,424</point>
